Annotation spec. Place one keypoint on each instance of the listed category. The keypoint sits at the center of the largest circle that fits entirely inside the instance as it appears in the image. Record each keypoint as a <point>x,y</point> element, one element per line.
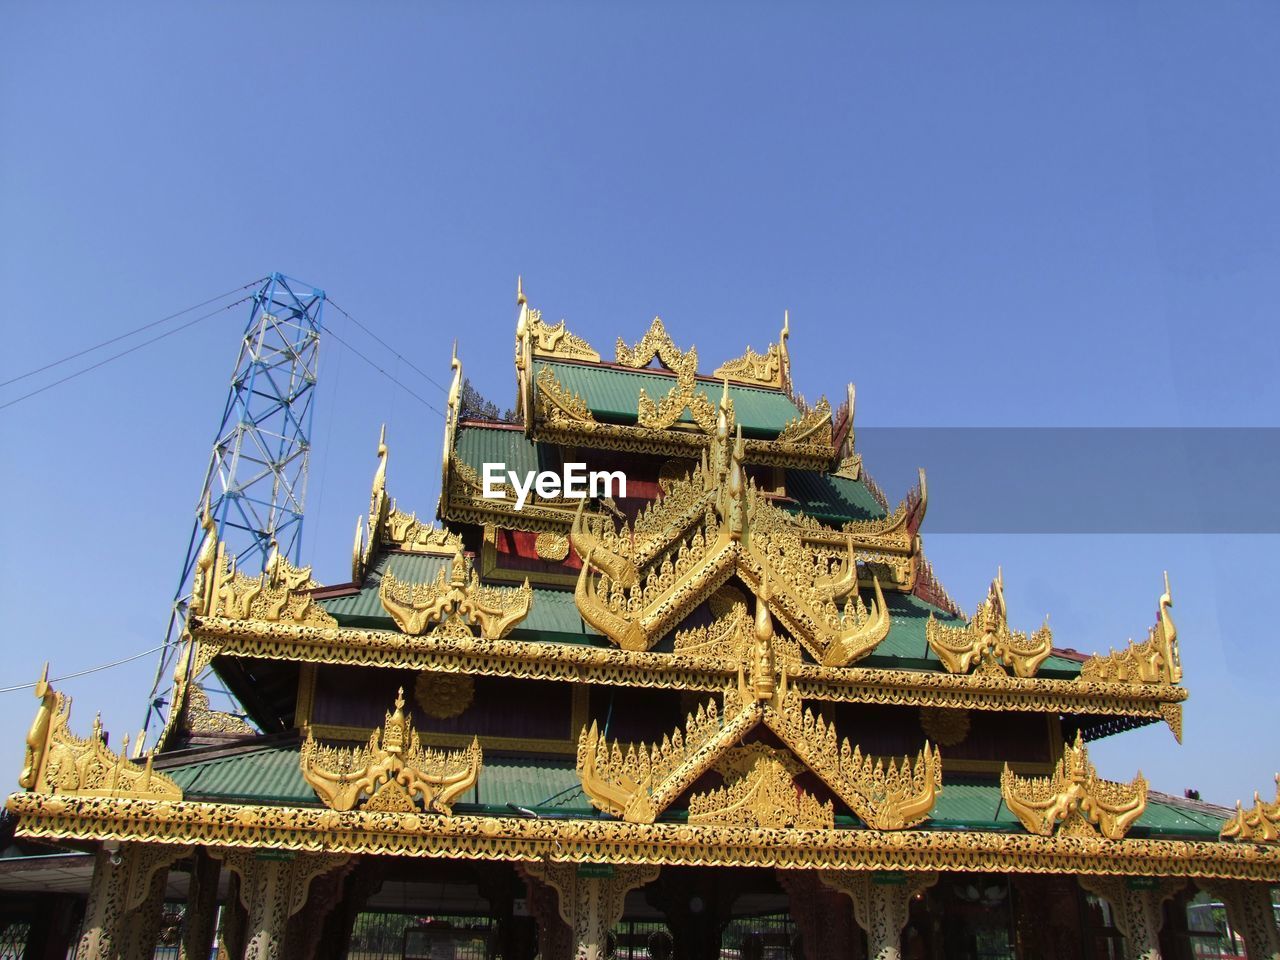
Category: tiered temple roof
<point>715,668</point>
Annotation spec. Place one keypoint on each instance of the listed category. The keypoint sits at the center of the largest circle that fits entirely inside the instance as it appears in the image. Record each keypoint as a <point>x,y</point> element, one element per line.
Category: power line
<point>123,353</point>
<point>425,403</point>
<point>82,673</point>
<point>130,333</point>
<point>413,366</point>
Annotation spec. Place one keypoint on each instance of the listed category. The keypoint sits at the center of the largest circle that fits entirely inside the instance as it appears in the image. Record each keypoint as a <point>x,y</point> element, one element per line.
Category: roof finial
<point>520,297</point>
<point>786,324</point>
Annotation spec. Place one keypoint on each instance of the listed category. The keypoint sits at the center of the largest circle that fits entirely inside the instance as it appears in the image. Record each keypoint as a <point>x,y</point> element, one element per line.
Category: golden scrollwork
<point>811,426</point>
<point>1261,824</point>
<point>443,695</point>
<point>551,546</point>
<point>318,829</point>
<point>986,642</point>
<point>391,771</point>
<point>637,783</point>
<point>406,532</point>
<point>58,762</point>
<point>760,791</point>
<point>1074,800</point>
<point>282,593</point>
<point>945,726</point>
<point>656,342</point>
<point>558,404</point>
<point>550,340</point>
<point>886,796</point>
<point>455,601</point>
<point>1155,660</point>
<point>768,369</point>
<point>200,717</point>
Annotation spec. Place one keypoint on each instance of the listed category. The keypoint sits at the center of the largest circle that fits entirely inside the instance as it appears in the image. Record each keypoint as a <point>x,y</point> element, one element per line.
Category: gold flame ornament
<point>1074,800</point>
<point>392,771</point>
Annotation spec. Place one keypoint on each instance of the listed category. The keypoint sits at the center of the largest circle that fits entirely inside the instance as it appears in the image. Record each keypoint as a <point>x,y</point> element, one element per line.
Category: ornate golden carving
<point>944,726</point>
<point>890,796</point>
<point>768,369</point>
<point>443,695</point>
<point>1156,660</point>
<point>408,533</point>
<point>582,663</point>
<point>656,342</point>
<point>551,546</point>
<point>280,594</point>
<point>391,770</point>
<point>556,341</point>
<point>811,426</point>
<point>1075,801</point>
<point>455,601</point>
<point>59,763</point>
<point>760,791</point>
<point>201,718</point>
<point>639,782</point>
<point>557,404</point>
<point>986,642</point>
<point>1259,825</point>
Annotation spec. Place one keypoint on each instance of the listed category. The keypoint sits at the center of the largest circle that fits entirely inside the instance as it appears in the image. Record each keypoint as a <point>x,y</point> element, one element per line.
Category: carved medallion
<point>443,695</point>
<point>551,546</point>
<point>945,726</point>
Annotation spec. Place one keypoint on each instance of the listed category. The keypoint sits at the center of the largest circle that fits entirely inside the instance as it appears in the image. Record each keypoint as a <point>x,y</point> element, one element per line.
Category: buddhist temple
<point>725,710</point>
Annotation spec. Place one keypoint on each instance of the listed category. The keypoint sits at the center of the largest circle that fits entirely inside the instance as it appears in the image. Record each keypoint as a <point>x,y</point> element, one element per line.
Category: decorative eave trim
<point>417,834</point>
<point>611,666</point>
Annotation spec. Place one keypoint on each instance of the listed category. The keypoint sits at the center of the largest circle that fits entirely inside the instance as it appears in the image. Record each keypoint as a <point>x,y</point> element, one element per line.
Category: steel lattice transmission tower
<point>256,482</point>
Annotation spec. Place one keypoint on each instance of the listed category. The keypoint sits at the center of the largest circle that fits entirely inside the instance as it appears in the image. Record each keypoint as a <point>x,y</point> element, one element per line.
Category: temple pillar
<point>1137,904</point>
<point>307,925</point>
<point>142,925</point>
<point>51,928</point>
<point>881,904</point>
<point>357,886</point>
<point>555,937</point>
<point>826,926</point>
<point>1250,914</point>
<point>273,890</point>
<point>234,921</point>
<point>124,880</point>
<point>202,907</point>
<point>591,899</point>
<point>1047,915</point>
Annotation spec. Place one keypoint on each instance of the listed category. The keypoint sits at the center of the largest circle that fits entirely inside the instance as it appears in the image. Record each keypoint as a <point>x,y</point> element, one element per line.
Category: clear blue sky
<point>983,214</point>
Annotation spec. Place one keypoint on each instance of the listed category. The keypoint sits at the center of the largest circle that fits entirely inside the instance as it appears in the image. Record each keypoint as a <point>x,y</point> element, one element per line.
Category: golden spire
<point>521,300</point>
<point>784,356</point>
<point>455,386</point>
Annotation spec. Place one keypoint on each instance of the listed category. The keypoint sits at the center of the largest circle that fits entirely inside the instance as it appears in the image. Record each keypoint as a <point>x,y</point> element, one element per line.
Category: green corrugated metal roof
<point>830,498</point>
<point>272,775</point>
<point>552,611</point>
<point>614,394</point>
<point>477,446</point>
<point>977,803</point>
<point>907,644</point>
<point>260,776</point>
<point>554,616</point>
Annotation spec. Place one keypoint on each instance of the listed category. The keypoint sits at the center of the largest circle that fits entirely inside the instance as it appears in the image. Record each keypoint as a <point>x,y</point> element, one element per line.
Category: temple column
<point>881,904</point>
<point>826,926</point>
<point>307,925</point>
<point>272,890</point>
<point>1047,914</point>
<point>1250,914</point>
<point>142,925</point>
<point>123,881</point>
<point>234,921</point>
<point>51,928</point>
<point>591,899</point>
<point>1137,904</point>
<point>202,907</point>
<point>357,886</point>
